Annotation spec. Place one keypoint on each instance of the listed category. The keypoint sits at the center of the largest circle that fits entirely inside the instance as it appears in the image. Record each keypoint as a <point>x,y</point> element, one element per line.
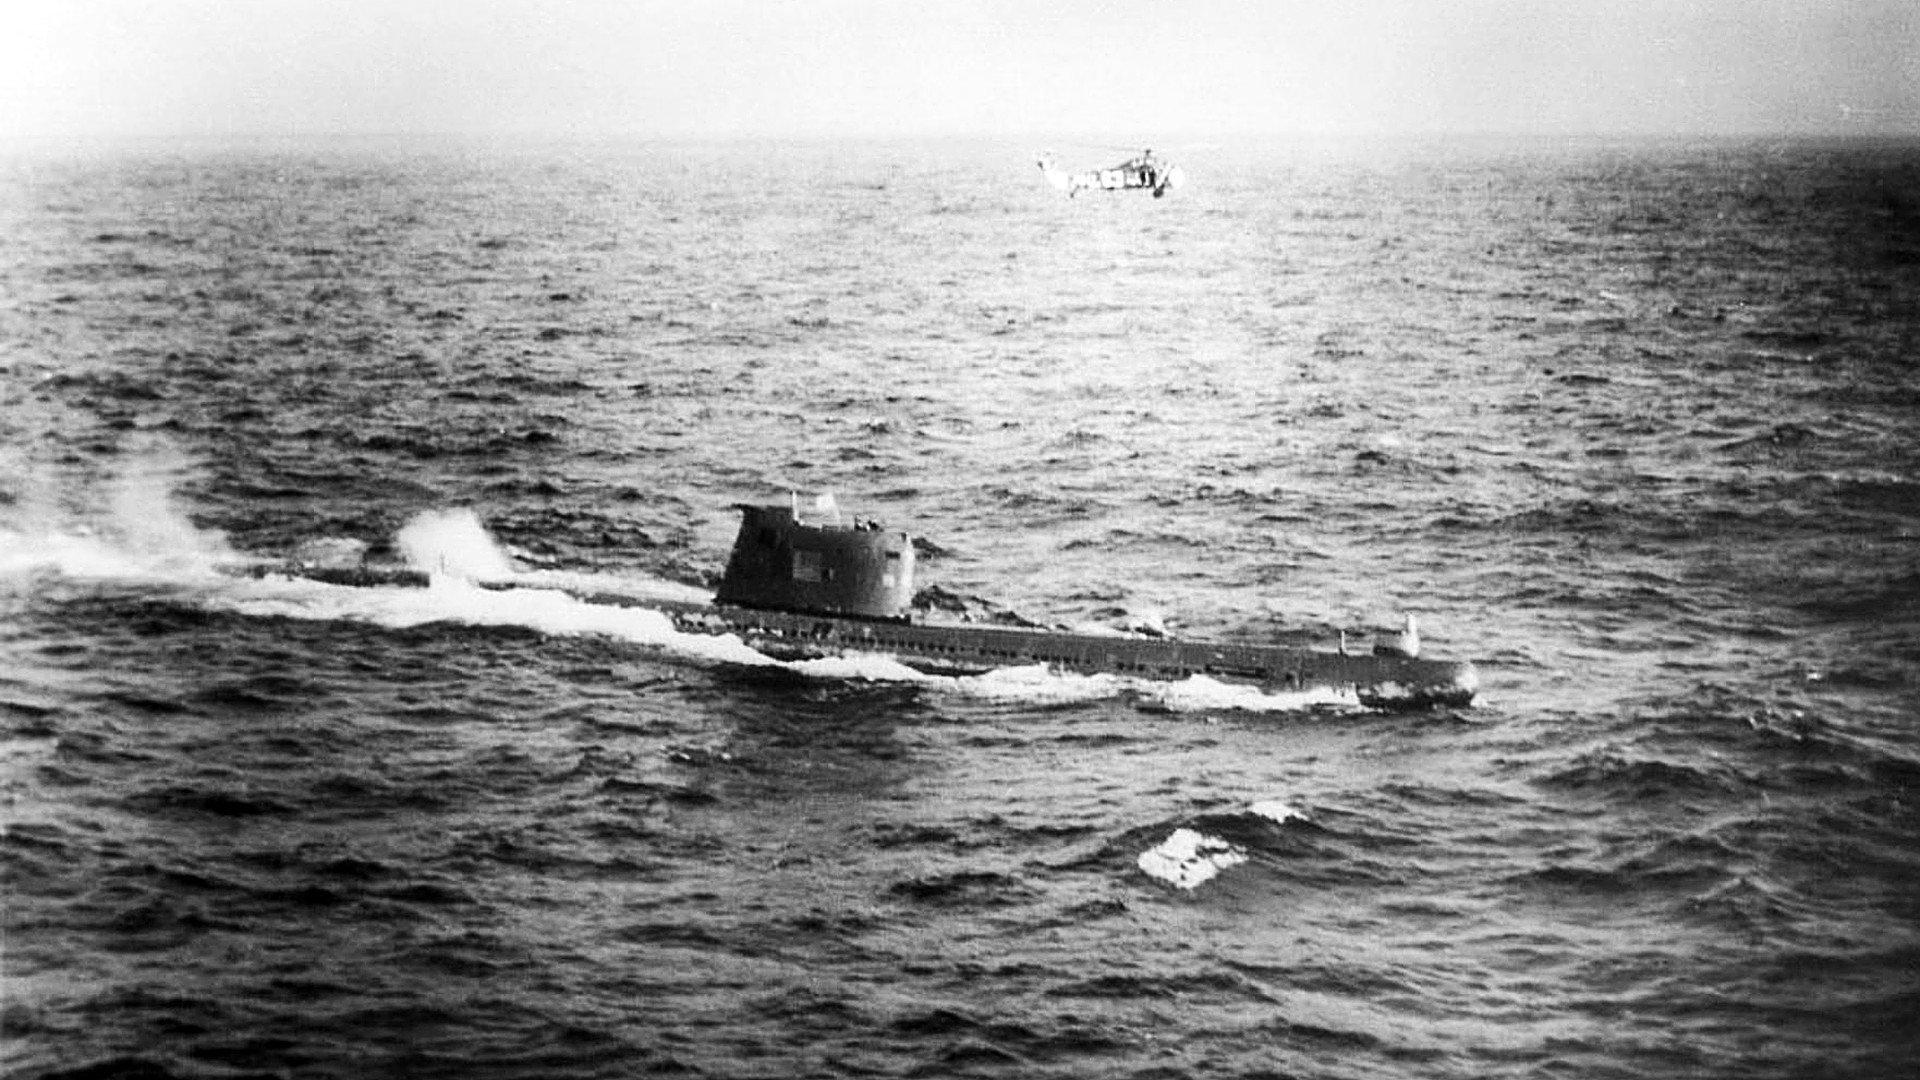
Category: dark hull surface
<point>1376,680</point>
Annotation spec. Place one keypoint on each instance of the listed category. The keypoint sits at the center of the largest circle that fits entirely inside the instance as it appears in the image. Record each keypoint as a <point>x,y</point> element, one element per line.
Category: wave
<point>1195,853</point>
<point>1638,779</point>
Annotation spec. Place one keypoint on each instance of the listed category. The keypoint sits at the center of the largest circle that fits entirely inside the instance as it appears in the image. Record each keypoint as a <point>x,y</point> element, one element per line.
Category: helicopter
<point>1142,171</point>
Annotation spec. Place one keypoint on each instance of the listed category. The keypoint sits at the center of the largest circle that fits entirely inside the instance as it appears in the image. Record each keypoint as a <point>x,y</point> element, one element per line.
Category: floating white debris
<point>1188,858</point>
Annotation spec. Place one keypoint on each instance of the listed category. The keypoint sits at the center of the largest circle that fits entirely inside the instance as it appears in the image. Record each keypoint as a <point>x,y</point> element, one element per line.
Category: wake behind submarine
<point>797,589</point>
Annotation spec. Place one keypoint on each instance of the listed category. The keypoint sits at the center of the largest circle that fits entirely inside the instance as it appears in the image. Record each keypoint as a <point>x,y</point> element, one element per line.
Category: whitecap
<point>1188,859</point>
<point>1277,811</point>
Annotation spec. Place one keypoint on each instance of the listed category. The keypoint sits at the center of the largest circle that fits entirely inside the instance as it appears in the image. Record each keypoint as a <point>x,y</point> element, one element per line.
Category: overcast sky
<point>958,67</point>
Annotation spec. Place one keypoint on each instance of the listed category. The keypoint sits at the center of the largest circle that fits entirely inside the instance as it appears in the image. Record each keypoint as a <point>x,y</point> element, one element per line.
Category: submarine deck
<point>1386,681</point>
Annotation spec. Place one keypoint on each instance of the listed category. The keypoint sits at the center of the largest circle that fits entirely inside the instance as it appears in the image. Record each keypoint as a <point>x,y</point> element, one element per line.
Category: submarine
<point>797,589</point>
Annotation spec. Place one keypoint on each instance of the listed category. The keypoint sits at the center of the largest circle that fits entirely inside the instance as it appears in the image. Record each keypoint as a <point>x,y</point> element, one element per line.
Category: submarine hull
<point>1376,680</point>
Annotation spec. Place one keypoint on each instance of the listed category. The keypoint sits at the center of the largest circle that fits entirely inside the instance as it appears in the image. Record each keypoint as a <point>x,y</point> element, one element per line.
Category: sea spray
<point>453,542</point>
<point>125,526</point>
<point>143,514</point>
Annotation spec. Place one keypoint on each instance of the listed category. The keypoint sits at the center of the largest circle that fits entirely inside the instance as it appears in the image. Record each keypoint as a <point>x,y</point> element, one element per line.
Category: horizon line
<point>743,136</point>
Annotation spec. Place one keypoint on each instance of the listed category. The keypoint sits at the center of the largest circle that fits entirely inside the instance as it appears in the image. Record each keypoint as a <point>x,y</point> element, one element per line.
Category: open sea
<point>1632,425</point>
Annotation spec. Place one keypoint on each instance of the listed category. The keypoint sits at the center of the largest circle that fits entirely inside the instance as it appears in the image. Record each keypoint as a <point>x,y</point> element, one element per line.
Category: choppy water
<point>1632,426</point>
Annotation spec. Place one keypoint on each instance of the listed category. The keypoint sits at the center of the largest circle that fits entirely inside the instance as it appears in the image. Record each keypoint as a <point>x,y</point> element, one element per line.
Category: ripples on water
<point>1630,425</point>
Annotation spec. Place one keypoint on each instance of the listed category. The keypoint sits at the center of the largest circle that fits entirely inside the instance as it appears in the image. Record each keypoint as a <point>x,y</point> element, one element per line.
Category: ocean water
<point>1634,426</point>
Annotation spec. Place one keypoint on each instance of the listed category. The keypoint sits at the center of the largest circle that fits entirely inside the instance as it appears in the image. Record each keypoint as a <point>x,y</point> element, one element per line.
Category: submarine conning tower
<point>780,563</point>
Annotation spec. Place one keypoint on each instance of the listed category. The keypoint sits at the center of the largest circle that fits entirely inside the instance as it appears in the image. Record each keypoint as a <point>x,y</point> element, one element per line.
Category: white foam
<point>83,556</point>
<point>1188,859</point>
<point>1199,693</point>
<point>1196,693</point>
<point>23,556</point>
<point>1277,811</point>
<point>871,668</point>
<point>1036,683</point>
<point>453,599</point>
